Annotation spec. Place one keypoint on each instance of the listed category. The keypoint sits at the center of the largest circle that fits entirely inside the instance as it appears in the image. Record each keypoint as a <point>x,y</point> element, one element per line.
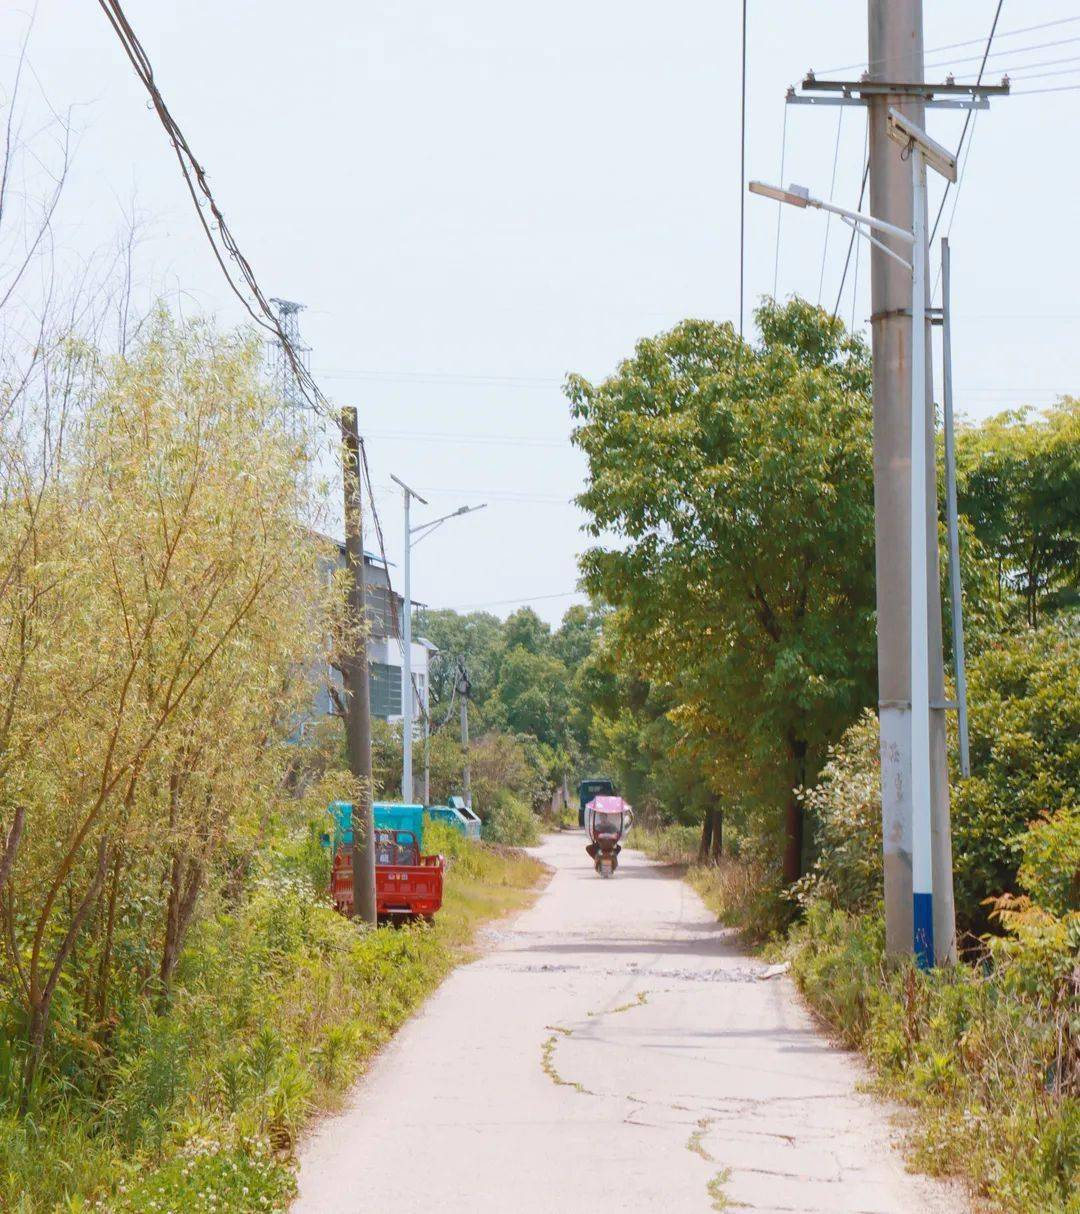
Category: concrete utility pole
<point>355,676</point>
<point>910,666</point>
<point>463,690</point>
<point>896,54</point>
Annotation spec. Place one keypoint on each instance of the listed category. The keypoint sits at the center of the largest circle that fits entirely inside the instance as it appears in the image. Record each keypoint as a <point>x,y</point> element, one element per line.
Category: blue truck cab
<point>388,815</point>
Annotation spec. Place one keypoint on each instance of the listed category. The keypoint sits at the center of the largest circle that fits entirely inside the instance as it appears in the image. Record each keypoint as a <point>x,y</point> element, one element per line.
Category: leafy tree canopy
<point>736,482</point>
<point>1018,483</point>
<point>526,630</point>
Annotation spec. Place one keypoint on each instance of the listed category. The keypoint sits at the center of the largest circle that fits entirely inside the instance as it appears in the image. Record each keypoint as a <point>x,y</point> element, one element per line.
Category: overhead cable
<point>226,249</point>
<point>832,193</point>
<point>221,240</point>
<point>967,119</point>
<point>853,238</point>
<point>1010,50</point>
<point>780,210</point>
<point>949,46</point>
<point>1064,88</point>
<point>1061,71</point>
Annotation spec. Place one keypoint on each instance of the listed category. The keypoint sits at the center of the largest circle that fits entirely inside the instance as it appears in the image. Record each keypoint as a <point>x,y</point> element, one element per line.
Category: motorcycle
<point>607,821</point>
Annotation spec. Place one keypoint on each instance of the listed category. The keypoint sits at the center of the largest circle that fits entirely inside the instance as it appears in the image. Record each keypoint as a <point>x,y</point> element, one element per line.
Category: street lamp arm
<point>453,514</point>
<point>799,196</point>
<point>860,217</point>
<point>874,241</point>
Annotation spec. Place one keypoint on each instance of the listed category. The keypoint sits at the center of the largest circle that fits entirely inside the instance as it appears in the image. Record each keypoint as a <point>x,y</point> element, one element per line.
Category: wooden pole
<point>355,675</point>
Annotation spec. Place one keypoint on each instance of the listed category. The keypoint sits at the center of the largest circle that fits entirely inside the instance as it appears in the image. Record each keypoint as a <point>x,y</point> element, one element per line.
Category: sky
<point>474,199</point>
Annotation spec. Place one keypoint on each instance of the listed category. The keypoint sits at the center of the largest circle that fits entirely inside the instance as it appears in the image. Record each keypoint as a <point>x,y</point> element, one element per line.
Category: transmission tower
<point>297,409</point>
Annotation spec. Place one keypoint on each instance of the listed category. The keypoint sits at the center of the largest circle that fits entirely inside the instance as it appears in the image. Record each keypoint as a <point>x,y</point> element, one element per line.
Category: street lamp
<point>422,530</point>
<point>799,196</point>
<point>921,150</point>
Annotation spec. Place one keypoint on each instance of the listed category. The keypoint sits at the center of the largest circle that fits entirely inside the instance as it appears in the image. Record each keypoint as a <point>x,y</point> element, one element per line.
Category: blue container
<point>460,818</point>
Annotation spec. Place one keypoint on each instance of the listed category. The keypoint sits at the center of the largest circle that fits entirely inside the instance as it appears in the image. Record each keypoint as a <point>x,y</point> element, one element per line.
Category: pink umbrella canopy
<point>609,805</point>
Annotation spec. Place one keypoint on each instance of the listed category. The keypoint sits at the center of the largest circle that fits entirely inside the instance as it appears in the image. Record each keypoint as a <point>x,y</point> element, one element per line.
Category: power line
<point>1023,67</point>
<point>1064,71</point>
<point>1065,88</point>
<point>854,234</point>
<point>855,287</point>
<point>536,598</point>
<point>465,378</point>
<point>198,187</point>
<point>506,495</point>
<point>780,210</point>
<point>956,200</point>
<point>1010,50</point>
<point>498,440</point>
<point>195,177</point>
<point>967,121</point>
<point>832,192</point>
<point>949,46</point>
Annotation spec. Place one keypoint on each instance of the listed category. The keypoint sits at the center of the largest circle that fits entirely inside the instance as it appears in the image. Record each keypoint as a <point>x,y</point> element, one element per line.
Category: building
<point>385,647</point>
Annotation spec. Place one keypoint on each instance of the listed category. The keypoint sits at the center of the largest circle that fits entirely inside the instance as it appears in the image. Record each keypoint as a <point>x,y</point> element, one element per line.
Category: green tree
<point>476,638</point>
<point>532,694</point>
<point>736,482</point>
<point>526,630</point>
<point>1018,482</point>
<point>1024,707</point>
<point>576,637</point>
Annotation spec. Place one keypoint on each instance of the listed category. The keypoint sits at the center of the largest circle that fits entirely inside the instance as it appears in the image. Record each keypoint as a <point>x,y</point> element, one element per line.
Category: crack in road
<point>696,1141</point>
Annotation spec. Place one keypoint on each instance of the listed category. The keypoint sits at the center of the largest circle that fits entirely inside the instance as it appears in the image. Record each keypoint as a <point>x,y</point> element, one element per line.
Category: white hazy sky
<point>473,199</point>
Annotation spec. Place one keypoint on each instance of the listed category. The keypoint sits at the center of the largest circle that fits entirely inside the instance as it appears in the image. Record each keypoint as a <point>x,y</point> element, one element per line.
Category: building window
<point>385,690</point>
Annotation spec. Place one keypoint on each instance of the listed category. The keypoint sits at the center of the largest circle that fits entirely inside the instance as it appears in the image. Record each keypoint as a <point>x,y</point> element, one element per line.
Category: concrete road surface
<point>612,1051</point>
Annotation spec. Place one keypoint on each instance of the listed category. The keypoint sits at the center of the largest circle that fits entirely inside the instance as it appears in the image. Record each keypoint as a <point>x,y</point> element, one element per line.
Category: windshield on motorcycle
<point>607,824</point>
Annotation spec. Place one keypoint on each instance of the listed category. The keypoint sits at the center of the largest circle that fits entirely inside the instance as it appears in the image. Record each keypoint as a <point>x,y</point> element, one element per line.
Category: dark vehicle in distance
<point>599,786</point>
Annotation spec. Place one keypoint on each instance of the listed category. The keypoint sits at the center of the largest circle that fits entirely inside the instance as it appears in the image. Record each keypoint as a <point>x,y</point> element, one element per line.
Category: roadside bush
<point>209,1177</point>
<point>746,892</point>
<point>511,822</point>
<point>500,765</point>
<point>743,887</point>
<point>1024,696</point>
<point>1018,811</point>
<point>845,816</point>
<point>278,1003</point>
<point>1050,860</point>
<point>672,844</point>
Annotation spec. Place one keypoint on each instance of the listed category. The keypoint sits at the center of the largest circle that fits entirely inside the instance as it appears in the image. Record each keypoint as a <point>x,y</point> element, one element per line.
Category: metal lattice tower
<point>297,409</point>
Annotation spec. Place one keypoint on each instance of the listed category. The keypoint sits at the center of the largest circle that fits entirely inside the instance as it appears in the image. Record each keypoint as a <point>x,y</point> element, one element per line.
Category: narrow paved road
<point>613,1051</point>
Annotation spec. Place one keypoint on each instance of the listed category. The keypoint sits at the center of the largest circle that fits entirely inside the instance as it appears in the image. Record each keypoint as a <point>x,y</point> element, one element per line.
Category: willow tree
<point>166,597</point>
<point>731,487</point>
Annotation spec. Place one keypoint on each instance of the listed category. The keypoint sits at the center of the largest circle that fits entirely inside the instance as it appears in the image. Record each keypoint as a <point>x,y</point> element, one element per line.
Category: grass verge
<point>279,1005</point>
